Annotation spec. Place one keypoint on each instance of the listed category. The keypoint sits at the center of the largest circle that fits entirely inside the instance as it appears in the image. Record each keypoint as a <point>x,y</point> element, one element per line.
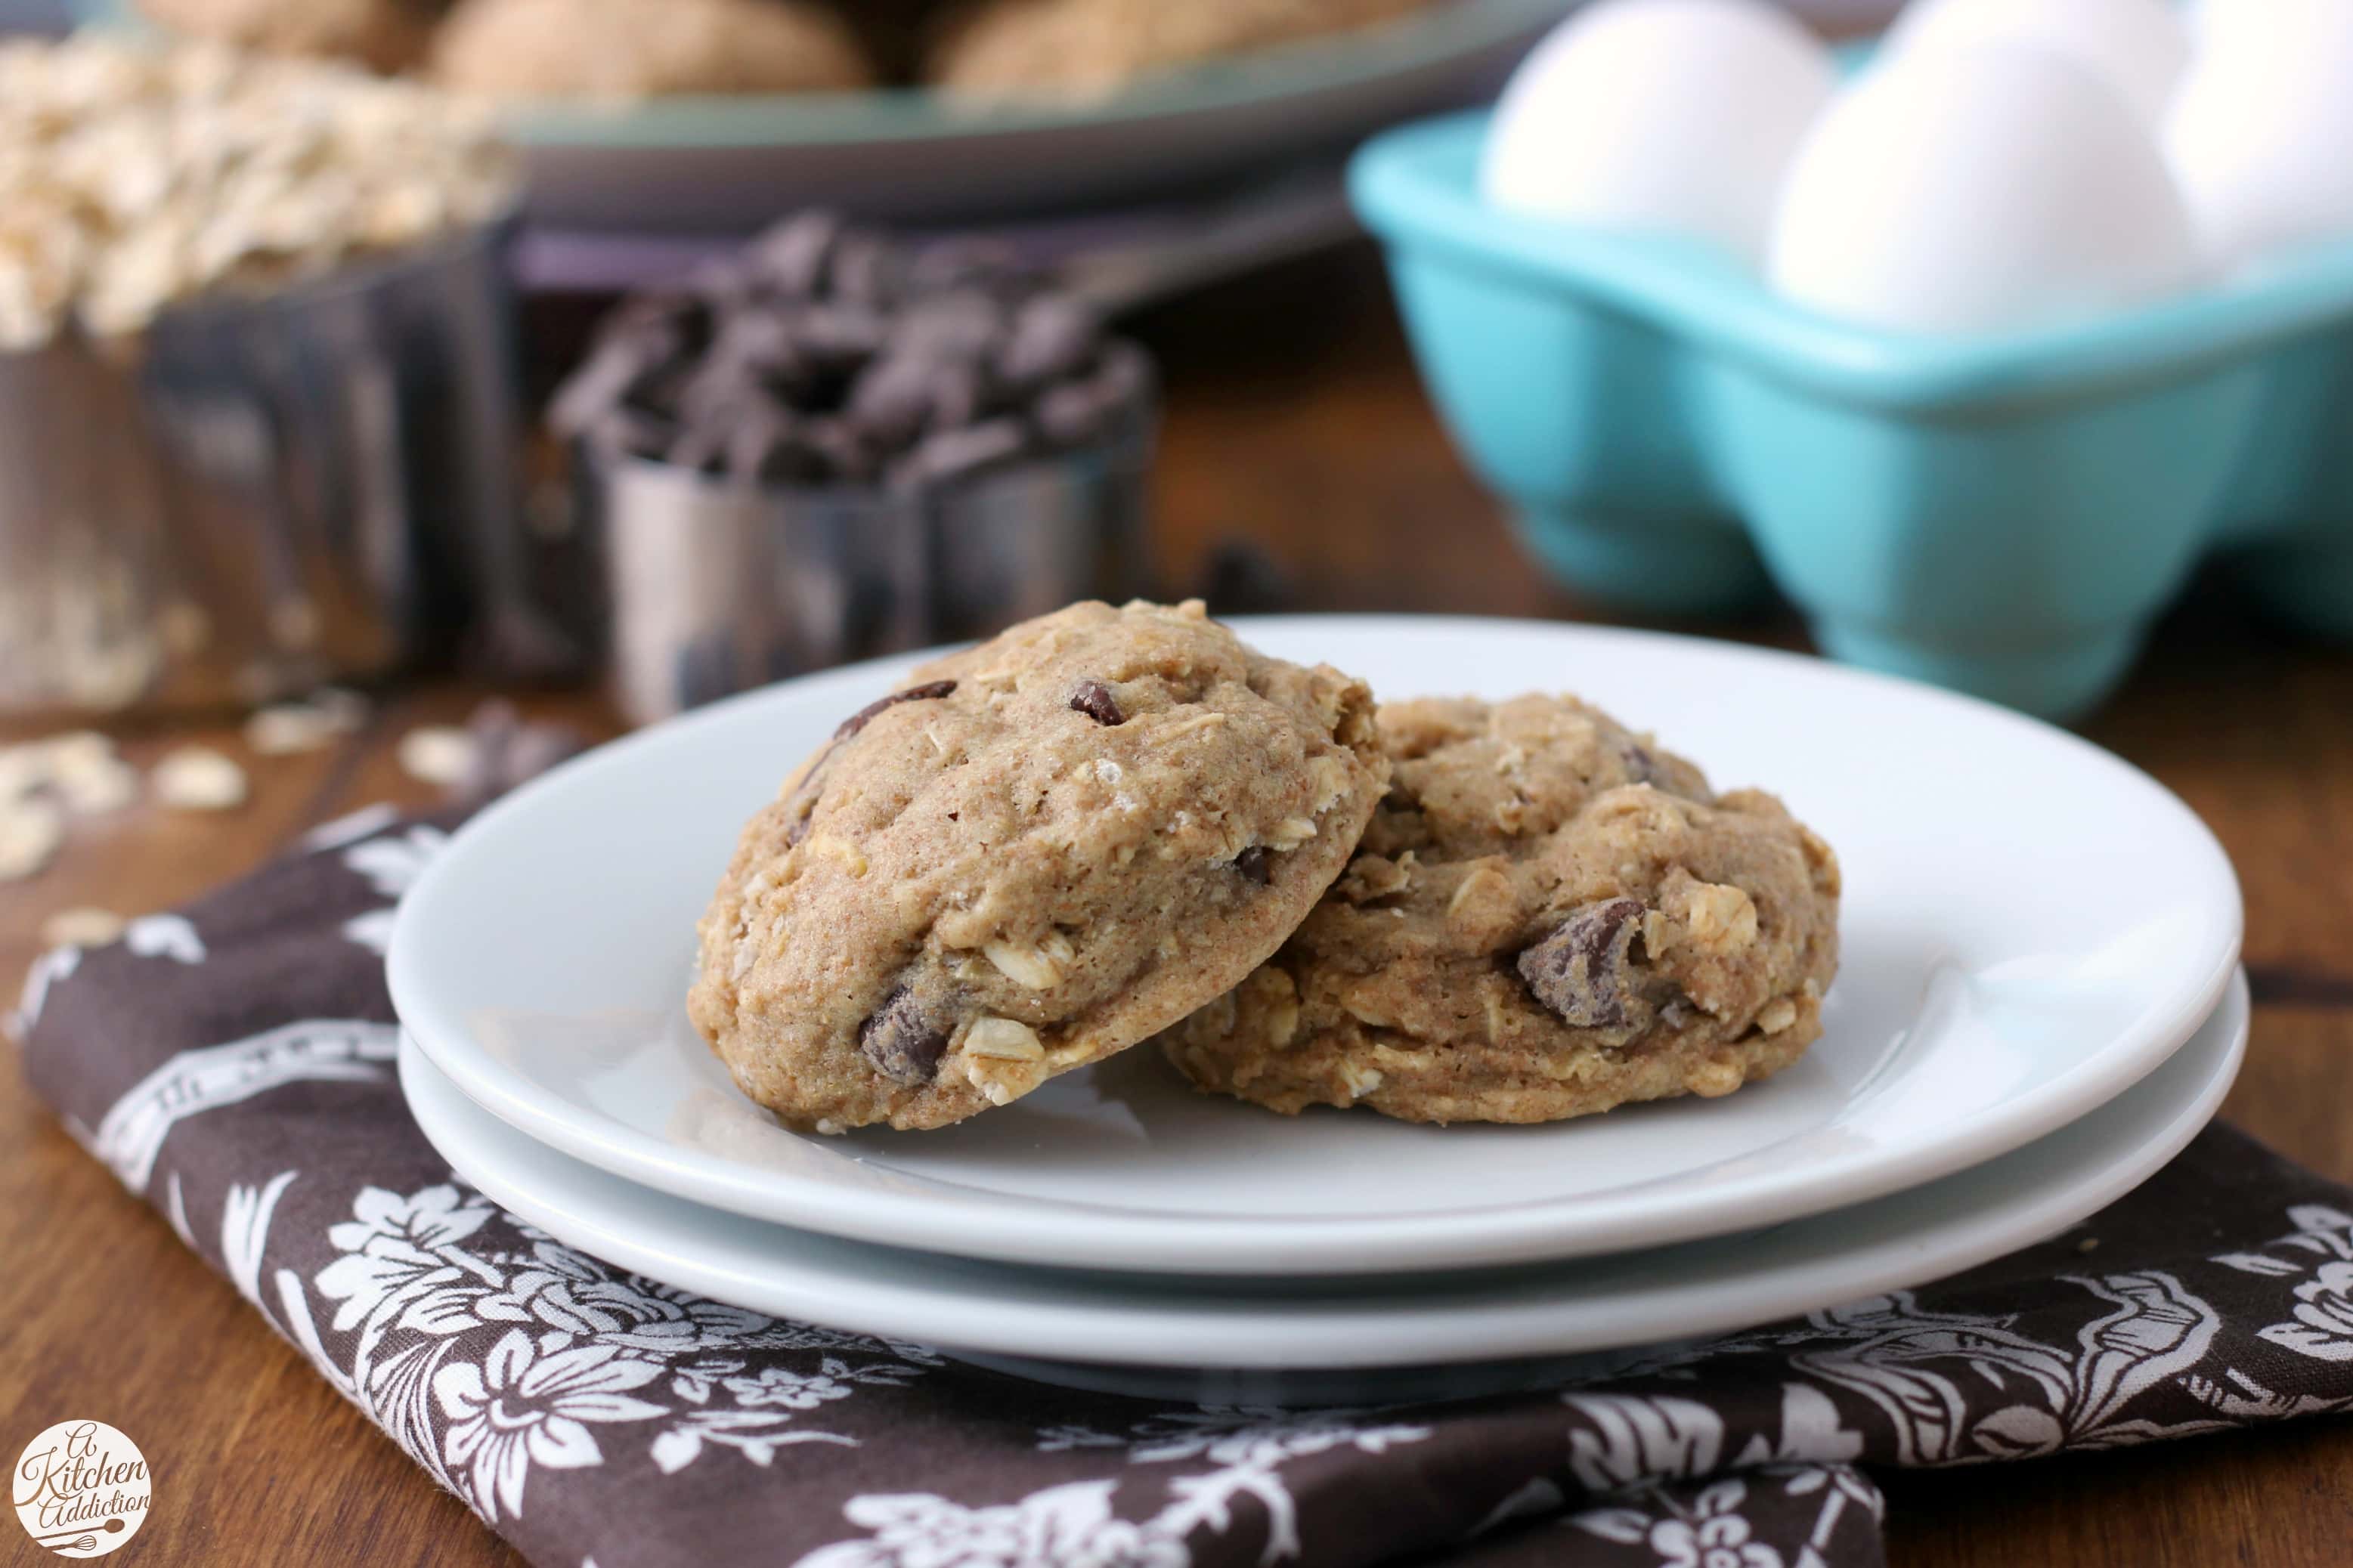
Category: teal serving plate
<point>2003,514</point>
<point>702,163</point>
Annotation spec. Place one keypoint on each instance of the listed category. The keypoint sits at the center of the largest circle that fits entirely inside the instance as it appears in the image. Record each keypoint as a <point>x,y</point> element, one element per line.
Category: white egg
<point>2262,134</point>
<point>1660,116</point>
<point>1979,190</point>
<point>2140,47</point>
<point>2209,20</point>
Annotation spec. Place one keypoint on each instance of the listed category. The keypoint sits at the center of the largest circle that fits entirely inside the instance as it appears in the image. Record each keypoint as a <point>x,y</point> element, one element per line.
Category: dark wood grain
<point>1295,423</point>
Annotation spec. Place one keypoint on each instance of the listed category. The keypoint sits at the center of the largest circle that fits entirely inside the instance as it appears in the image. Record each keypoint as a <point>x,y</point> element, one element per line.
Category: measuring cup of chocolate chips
<point>834,446</point>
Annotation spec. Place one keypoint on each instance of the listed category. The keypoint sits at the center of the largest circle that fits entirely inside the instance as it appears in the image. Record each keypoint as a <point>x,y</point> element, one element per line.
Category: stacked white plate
<point>2037,1008</point>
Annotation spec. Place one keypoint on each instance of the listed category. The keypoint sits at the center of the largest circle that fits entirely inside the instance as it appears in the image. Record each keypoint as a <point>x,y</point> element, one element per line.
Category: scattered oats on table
<point>287,729</point>
<point>438,754</point>
<point>94,783</point>
<point>197,778</point>
<point>79,771</point>
<point>82,928</point>
<point>31,833</point>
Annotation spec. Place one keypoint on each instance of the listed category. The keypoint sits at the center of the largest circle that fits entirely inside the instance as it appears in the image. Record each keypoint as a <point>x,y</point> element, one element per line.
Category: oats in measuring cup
<point>136,175</point>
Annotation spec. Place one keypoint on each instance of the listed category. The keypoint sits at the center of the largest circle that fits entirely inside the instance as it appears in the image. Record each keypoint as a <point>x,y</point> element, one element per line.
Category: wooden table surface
<point>1295,421</point>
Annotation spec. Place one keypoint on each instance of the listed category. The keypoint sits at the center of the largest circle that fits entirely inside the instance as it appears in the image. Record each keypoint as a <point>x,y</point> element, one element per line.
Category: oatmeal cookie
<point>997,47</point>
<point>389,34</point>
<point>1033,855</point>
<point>641,48</point>
<point>1548,917</point>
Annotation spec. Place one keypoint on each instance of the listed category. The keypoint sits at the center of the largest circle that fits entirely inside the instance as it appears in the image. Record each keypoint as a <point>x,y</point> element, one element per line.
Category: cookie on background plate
<point>387,34</point>
<point>624,50</point>
<point>1550,916</point>
<point>1086,47</point>
<point>1034,854</point>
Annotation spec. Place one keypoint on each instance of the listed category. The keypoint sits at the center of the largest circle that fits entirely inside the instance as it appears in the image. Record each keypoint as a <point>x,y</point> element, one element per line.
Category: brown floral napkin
<point>233,1065</point>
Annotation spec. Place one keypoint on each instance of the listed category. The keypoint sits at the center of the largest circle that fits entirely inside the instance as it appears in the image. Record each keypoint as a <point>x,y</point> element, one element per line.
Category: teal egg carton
<point>2003,514</point>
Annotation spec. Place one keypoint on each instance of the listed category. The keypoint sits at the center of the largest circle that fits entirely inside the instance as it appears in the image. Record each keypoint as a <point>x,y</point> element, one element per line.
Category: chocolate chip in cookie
<point>803,801</point>
<point>1580,970</point>
<point>931,691</point>
<point>1257,863</point>
<point>1096,701</point>
<point>904,1046</point>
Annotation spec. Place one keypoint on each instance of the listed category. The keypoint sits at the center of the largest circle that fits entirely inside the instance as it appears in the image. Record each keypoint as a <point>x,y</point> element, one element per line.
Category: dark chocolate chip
<point>611,374</point>
<point>719,392</point>
<point>630,433</point>
<point>1053,337</point>
<point>1581,971</point>
<point>797,829</point>
<point>847,455</point>
<point>1096,701</point>
<point>1125,374</point>
<point>930,691</point>
<point>961,394</point>
<point>700,446</point>
<point>1093,408</point>
<point>1257,863</point>
<point>892,399</point>
<point>841,338</point>
<point>954,453</point>
<point>760,340</point>
<point>792,258</point>
<point>1075,414</point>
<point>963,325</point>
<point>766,446</point>
<point>1641,766</point>
<point>903,1045</point>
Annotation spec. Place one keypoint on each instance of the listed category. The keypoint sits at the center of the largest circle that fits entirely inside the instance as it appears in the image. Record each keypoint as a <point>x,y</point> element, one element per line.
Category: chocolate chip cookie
<point>1549,916</point>
<point>1082,46</point>
<point>638,48</point>
<point>389,34</point>
<point>1030,856</point>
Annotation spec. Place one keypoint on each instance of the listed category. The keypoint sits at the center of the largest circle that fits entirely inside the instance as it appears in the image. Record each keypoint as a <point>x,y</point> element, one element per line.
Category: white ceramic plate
<point>1063,1316</point>
<point>2030,926</point>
